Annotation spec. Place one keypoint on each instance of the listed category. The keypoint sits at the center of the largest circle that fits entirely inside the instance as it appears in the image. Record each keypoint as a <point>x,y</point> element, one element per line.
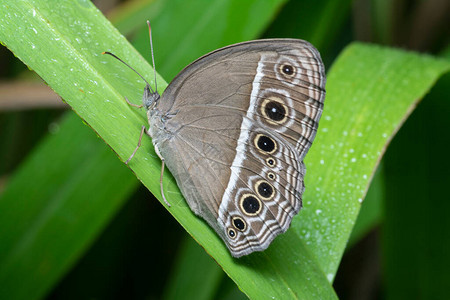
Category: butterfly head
<point>150,98</point>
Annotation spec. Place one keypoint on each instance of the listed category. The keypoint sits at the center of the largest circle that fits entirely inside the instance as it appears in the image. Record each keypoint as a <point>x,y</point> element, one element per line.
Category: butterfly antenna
<point>116,57</point>
<point>151,49</point>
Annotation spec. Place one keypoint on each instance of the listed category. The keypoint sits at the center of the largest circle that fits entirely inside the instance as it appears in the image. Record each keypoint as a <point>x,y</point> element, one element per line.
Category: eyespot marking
<point>270,162</point>
<point>239,223</point>
<point>265,190</point>
<point>231,233</point>
<point>250,205</point>
<point>265,143</point>
<point>287,70</point>
<point>274,110</point>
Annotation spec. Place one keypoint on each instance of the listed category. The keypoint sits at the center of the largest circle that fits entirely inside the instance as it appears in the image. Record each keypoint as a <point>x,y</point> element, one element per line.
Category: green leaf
<point>370,214</point>
<point>370,92</point>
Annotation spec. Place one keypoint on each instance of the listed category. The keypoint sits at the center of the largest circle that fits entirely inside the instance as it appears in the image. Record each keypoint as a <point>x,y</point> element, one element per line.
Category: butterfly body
<point>233,128</point>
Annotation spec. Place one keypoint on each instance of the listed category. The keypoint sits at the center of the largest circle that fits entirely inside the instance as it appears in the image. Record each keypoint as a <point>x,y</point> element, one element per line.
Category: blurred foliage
<point>121,258</point>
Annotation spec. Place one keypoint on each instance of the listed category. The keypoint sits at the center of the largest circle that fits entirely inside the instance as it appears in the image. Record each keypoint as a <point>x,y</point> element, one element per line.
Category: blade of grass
<point>370,214</point>
<point>277,271</point>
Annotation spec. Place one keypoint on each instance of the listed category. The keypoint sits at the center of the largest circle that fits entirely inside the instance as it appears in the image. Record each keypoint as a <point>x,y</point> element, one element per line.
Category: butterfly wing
<point>234,127</point>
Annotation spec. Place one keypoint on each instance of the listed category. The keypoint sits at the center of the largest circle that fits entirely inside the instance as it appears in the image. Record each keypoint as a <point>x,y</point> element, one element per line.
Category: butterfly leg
<point>138,145</point>
<point>144,130</point>
<point>162,173</point>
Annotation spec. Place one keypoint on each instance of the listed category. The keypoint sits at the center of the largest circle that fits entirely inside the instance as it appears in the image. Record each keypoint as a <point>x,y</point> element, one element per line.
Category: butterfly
<point>233,128</point>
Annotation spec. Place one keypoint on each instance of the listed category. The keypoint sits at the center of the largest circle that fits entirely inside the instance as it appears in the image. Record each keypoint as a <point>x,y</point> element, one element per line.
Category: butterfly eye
<point>287,70</point>
<point>239,224</point>
<point>265,143</point>
<point>264,190</point>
